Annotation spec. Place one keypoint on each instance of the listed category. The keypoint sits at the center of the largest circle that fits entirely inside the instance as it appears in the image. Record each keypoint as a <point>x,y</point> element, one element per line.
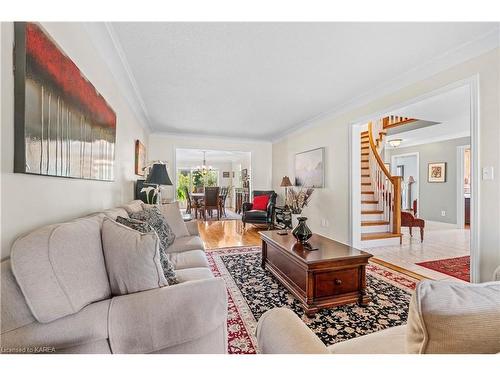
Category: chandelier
<point>204,167</point>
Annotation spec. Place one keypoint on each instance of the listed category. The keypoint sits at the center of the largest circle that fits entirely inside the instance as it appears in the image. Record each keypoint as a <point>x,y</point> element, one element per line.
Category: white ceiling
<point>451,110</point>
<point>212,156</point>
<point>259,80</point>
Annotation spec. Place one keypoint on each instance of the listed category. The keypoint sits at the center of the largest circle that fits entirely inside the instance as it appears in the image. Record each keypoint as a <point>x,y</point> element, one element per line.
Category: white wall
<point>163,146</point>
<point>332,202</point>
<point>31,201</point>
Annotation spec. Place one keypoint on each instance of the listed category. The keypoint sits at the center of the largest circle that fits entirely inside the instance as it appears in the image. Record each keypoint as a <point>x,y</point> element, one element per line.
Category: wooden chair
<point>211,201</point>
<point>222,200</point>
<point>409,220</point>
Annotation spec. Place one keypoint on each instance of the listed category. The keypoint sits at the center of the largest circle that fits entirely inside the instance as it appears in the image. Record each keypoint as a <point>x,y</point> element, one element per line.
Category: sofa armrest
<point>496,274</point>
<point>160,318</point>
<point>192,227</point>
<point>280,331</point>
<point>247,206</point>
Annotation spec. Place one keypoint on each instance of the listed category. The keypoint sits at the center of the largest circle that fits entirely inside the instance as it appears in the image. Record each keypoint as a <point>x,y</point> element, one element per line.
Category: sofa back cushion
<point>60,268</point>
<point>172,214</point>
<point>134,206</point>
<point>448,317</point>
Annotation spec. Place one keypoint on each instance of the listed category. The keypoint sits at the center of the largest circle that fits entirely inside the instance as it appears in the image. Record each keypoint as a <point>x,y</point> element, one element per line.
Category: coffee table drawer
<point>336,282</point>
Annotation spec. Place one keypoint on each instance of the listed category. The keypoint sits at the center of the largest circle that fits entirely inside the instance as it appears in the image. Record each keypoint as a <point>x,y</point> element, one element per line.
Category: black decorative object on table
<point>302,232</point>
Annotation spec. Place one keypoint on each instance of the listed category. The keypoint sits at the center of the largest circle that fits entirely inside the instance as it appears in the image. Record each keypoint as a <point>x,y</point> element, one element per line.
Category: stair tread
<point>374,222</point>
<point>368,192</point>
<point>378,235</point>
<point>365,167</point>
<point>368,212</point>
<point>369,202</point>
<point>365,175</point>
<point>366,183</point>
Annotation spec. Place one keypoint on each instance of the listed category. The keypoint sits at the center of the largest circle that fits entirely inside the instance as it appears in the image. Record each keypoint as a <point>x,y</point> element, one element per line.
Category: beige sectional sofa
<point>55,296</point>
<point>444,317</point>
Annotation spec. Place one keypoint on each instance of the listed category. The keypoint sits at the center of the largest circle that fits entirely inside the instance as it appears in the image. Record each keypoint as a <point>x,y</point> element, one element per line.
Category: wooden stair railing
<point>387,188</point>
<point>393,121</point>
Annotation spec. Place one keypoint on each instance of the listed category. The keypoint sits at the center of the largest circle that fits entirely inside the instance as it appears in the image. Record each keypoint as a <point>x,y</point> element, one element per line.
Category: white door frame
<point>417,154</point>
<point>460,185</point>
<point>355,177</point>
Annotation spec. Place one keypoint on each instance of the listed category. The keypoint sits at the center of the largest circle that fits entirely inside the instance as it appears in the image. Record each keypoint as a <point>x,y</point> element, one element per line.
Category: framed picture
<point>63,125</point>
<point>225,174</point>
<point>244,174</point>
<point>436,172</point>
<point>310,168</point>
<point>140,158</point>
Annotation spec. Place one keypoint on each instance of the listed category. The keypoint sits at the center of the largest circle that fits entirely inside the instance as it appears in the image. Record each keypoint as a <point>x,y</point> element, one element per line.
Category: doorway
<point>440,107</point>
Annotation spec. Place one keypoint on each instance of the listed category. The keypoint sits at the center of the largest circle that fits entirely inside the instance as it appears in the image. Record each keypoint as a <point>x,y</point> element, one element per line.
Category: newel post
<point>396,222</point>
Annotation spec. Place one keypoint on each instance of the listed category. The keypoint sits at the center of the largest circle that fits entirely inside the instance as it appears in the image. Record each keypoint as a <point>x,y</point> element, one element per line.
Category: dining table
<point>197,197</point>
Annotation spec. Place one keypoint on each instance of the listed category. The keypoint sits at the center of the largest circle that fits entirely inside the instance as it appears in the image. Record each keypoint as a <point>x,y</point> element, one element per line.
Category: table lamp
<point>285,182</point>
<point>158,176</point>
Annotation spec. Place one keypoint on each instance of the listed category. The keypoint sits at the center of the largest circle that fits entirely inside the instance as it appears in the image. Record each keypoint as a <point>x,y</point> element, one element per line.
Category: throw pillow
<point>153,216</point>
<point>260,202</point>
<point>132,258</point>
<point>172,213</point>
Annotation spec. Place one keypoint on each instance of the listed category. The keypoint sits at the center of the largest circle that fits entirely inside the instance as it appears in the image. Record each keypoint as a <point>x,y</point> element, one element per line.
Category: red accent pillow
<point>260,202</point>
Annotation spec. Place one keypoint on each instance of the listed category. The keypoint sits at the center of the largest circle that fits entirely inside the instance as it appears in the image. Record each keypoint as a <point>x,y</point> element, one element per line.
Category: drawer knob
<point>338,282</point>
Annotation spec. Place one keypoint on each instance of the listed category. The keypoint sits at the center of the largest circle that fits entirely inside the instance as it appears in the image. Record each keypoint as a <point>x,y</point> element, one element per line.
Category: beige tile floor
<point>440,241</point>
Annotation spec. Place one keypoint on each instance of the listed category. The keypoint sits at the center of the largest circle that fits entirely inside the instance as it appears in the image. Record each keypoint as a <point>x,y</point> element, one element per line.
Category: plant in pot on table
<point>296,201</point>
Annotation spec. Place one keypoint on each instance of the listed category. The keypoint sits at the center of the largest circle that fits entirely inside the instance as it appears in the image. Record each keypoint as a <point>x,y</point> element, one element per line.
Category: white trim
<point>473,84</point>
<point>434,139</point>
<point>460,186</point>
<point>466,51</point>
<point>475,120</point>
<point>212,137</point>
<point>355,184</point>
<point>417,154</point>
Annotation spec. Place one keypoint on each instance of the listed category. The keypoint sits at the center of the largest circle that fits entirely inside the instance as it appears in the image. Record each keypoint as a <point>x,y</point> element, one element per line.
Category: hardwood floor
<point>228,233</point>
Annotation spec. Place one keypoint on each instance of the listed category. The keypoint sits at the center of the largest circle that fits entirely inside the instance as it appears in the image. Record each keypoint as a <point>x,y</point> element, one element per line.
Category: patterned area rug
<point>456,267</point>
<point>252,291</point>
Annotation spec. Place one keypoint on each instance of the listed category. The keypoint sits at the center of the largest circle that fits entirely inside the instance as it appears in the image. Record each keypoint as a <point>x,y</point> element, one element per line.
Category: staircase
<point>380,192</point>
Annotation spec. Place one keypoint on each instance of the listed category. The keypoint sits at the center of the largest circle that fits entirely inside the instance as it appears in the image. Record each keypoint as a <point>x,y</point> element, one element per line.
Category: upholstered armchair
<point>254,216</point>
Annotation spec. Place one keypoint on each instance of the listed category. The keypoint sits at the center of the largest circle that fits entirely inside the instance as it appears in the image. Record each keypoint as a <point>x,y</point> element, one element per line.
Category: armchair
<point>252,216</point>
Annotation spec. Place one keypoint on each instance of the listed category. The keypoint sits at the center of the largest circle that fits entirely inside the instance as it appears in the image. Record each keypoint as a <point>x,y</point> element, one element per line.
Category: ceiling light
<point>395,142</point>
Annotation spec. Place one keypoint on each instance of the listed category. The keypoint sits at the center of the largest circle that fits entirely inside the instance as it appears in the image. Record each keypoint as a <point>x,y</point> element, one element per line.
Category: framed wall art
<point>63,126</point>
<point>310,168</point>
<point>140,158</point>
<point>436,172</point>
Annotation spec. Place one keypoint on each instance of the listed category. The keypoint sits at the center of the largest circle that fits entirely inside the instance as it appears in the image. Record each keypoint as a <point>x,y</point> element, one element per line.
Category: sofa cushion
<point>153,216</point>
<point>188,259</point>
<point>186,244</point>
<point>172,213</point>
<point>387,341</point>
<point>256,214</point>
<point>132,258</point>
<point>449,317</point>
<point>134,206</point>
<point>60,268</point>
<point>113,213</point>
<point>192,274</point>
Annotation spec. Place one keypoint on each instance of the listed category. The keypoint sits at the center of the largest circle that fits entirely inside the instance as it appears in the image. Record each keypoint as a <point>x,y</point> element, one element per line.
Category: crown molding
<point>456,56</point>
<point>104,38</point>
<point>200,137</point>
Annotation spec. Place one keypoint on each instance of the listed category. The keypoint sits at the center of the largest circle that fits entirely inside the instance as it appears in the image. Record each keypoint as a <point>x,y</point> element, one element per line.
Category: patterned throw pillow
<point>137,225</point>
<point>152,215</point>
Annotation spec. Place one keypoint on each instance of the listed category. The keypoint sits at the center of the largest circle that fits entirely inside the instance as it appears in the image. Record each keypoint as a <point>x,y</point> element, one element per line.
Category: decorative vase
<point>302,232</point>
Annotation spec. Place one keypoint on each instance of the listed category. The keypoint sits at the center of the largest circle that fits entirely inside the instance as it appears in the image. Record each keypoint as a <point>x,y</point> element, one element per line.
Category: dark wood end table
<point>333,275</point>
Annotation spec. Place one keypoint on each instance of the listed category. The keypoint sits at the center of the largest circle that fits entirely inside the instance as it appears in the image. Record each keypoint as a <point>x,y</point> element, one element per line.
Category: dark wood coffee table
<point>333,275</point>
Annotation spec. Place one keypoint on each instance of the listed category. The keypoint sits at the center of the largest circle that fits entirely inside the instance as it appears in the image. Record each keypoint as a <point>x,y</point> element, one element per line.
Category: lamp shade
<point>285,182</point>
<point>411,180</point>
<point>158,175</point>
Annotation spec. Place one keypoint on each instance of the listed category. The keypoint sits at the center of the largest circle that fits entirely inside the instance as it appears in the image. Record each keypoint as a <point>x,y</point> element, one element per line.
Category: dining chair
<point>211,201</point>
<point>188,199</point>
<point>223,195</point>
